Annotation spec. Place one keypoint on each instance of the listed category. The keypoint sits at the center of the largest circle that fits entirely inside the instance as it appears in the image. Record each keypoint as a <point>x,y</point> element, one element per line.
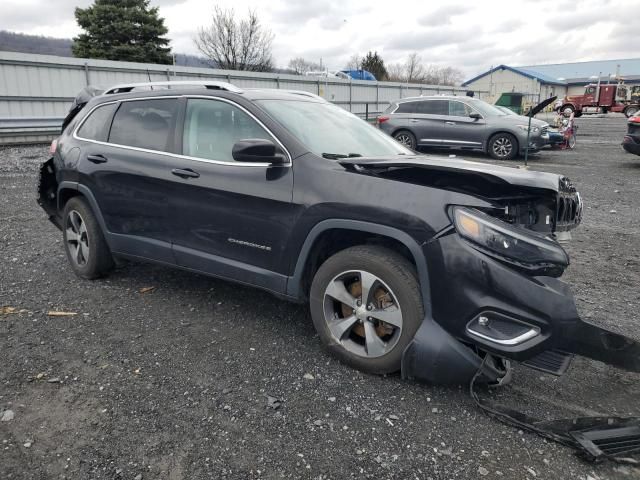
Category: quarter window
<point>96,126</point>
<point>144,124</point>
<point>406,107</point>
<point>212,127</point>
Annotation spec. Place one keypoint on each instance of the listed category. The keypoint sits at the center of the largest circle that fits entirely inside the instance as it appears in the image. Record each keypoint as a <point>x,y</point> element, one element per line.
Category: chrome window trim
<point>179,155</point>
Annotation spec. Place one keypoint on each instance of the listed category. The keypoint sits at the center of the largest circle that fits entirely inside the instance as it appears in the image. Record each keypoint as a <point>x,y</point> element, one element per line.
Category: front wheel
<point>366,307</point>
<point>503,146</point>
<point>630,111</point>
<point>567,110</point>
<point>84,243</point>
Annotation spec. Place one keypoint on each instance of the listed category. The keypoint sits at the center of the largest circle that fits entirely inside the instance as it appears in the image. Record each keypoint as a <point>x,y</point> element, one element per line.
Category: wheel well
<point>65,195</point>
<point>333,241</point>
<point>501,132</point>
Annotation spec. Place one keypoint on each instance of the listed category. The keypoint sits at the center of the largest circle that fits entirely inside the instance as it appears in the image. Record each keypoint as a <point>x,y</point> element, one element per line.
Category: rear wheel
<point>84,243</point>
<point>366,307</point>
<point>503,146</point>
<point>406,138</point>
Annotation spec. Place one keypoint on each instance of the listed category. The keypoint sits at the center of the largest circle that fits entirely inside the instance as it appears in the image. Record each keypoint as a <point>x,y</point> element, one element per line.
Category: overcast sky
<point>470,35</point>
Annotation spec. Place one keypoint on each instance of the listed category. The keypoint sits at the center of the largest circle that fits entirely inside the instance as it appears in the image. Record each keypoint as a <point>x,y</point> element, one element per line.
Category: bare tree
<point>414,71</point>
<point>302,66</point>
<point>354,63</point>
<point>236,45</point>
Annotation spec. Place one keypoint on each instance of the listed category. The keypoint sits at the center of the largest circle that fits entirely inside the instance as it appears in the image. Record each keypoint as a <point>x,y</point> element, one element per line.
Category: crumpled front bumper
<point>482,306</point>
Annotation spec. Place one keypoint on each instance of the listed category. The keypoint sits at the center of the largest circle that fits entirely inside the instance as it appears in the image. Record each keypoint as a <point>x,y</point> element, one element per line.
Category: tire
<point>406,138</point>
<point>567,110</point>
<point>351,331</point>
<point>503,146</point>
<point>630,111</point>
<point>84,243</point>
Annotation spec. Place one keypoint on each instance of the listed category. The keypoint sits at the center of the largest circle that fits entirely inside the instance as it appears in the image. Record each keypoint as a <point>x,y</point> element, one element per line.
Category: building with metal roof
<point>629,67</point>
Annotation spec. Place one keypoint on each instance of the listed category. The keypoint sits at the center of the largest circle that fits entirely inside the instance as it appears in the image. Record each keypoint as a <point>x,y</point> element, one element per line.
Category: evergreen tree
<point>127,30</point>
<point>372,62</point>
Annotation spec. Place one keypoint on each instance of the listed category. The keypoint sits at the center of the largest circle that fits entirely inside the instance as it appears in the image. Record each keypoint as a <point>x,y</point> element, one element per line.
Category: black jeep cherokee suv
<point>438,267</point>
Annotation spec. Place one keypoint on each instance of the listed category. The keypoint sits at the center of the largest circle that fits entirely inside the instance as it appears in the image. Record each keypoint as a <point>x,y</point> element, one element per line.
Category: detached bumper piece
<point>595,438</point>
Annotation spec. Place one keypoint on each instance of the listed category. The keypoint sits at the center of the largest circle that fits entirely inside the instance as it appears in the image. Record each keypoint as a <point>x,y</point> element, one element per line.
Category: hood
<point>522,120</point>
<point>492,173</point>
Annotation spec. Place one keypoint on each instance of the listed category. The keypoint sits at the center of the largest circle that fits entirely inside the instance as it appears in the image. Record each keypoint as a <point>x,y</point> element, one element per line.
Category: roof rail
<point>208,84</point>
<point>304,93</point>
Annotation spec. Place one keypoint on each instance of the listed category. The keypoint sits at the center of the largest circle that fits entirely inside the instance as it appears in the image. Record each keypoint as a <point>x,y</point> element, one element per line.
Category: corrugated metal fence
<point>36,90</point>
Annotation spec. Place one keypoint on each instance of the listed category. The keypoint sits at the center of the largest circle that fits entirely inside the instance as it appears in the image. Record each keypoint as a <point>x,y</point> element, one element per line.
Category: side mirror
<point>475,115</point>
<point>256,150</point>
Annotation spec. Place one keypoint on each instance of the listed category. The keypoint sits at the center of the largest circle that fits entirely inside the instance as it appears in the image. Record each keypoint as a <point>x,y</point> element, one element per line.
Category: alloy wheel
<point>77,238</point>
<point>405,140</point>
<point>502,147</point>
<point>362,314</point>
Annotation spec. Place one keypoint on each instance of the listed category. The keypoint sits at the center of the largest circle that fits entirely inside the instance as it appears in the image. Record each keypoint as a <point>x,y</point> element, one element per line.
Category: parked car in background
<point>631,141</point>
<point>360,75</point>
<point>461,123</point>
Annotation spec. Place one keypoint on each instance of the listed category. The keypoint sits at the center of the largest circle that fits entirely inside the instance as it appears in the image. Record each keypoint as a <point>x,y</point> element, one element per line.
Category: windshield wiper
<point>336,156</point>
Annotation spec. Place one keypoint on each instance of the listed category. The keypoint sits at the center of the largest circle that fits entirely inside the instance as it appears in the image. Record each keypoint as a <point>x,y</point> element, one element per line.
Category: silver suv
<point>461,123</point>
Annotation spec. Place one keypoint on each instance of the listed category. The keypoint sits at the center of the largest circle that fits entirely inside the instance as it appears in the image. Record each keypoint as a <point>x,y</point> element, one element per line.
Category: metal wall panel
<point>41,87</point>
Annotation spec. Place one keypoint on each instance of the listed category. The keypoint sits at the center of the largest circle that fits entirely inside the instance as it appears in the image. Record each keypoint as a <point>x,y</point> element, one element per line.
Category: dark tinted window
<point>96,126</point>
<point>433,107</point>
<point>211,127</point>
<point>406,107</point>
<point>144,123</point>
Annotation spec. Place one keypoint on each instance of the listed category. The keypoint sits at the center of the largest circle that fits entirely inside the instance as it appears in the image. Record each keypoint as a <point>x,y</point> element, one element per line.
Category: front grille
<point>569,206</point>
<point>551,361</point>
<point>544,130</point>
<point>612,442</point>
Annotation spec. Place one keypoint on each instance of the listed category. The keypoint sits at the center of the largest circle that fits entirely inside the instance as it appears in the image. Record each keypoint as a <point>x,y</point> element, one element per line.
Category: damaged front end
<point>494,271</point>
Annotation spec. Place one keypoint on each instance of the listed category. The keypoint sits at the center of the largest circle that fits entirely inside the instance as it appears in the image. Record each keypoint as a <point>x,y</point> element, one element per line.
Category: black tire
<point>88,253</point>
<point>406,138</point>
<point>401,278</point>
<point>567,110</point>
<point>630,111</point>
<point>503,146</point>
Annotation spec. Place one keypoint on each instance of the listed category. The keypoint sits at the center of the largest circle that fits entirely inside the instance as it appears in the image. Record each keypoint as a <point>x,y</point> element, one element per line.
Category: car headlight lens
<point>534,129</point>
<point>523,247</point>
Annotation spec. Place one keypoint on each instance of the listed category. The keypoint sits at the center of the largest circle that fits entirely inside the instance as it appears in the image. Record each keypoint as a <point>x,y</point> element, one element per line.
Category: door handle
<point>97,158</point>
<point>185,173</point>
<point>413,120</point>
<point>450,123</point>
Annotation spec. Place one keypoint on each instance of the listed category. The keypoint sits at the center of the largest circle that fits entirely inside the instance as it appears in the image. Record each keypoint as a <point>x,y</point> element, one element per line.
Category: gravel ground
<point>182,382</point>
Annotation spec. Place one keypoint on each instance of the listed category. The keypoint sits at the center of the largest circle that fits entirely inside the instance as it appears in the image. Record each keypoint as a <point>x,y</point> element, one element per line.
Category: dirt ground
<point>180,382</point>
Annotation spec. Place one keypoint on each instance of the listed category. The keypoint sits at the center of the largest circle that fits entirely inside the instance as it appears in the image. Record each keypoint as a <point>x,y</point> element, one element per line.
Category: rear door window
<point>144,124</point>
<point>96,126</point>
<point>433,107</point>
<point>212,127</point>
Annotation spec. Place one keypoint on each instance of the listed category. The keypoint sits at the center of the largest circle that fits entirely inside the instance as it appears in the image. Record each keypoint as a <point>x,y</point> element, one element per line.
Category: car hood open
<point>493,173</point>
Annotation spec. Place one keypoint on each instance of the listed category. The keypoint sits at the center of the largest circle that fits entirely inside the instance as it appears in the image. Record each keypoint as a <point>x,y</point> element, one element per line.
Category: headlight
<point>525,248</point>
<point>526,127</point>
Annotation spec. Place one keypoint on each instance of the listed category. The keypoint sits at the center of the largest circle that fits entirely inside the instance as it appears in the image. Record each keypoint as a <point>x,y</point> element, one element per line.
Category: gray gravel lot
<point>179,382</point>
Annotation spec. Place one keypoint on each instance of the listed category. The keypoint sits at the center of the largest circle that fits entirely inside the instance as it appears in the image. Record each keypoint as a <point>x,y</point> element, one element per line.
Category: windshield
<point>487,109</point>
<point>331,131</point>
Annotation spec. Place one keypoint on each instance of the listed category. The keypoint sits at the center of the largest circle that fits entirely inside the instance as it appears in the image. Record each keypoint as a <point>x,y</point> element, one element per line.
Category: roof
<point>541,77</point>
<point>625,67</point>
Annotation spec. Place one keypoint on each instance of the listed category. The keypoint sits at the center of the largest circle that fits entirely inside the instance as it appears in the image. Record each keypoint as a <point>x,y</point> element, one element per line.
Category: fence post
<point>86,72</point>
<point>318,86</point>
<point>168,77</point>
<point>377,96</point>
<point>366,111</point>
<point>350,95</point>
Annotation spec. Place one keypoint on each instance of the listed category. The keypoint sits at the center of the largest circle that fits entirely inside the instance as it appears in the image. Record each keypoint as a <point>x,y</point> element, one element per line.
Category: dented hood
<point>493,173</point>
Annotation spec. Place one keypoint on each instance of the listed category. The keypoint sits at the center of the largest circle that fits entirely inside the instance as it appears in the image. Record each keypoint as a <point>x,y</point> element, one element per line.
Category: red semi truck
<point>601,98</point>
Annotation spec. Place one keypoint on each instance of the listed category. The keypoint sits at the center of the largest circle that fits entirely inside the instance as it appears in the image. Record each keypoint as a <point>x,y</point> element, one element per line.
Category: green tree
<point>373,63</point>
<point>127,30</point>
